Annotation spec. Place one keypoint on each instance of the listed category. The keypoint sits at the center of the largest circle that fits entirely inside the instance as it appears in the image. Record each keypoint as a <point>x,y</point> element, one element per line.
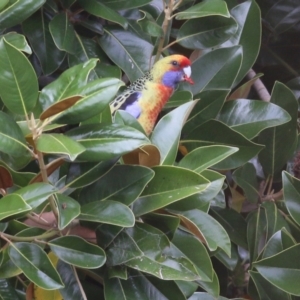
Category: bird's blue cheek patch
<point>171,78</point>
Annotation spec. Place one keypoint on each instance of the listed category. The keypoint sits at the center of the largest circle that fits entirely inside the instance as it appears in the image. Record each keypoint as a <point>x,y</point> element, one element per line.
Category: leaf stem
<point>79,284</point>
<point>46,235</point>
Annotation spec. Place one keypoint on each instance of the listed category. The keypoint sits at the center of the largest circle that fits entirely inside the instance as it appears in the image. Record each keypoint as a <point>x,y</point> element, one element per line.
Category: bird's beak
<point>187,75</point>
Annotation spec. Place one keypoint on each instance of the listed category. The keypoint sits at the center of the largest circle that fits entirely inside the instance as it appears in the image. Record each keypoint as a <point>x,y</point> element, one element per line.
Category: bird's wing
<point>128,99</point>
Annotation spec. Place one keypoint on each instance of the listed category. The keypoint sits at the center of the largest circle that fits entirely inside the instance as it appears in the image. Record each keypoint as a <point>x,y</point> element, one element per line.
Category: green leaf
<point>18,82</point>
<point>274,156</point>
<point>67,84</point>
<point>122,183</point>
<point>78,252</point>
<point>80,175</point>
<point>211,101</point>
<point>166,133</point>
<point>35,264</point>
<point>245,177</point>
<point>279,241</point>
<point>68,210</point>
<point>18,41</point>
<point>256,233</point>
<point>168,187</point>
<point>11,137</point>
<point>291,192</point>
<point>123,4</point>
<point>233,223</point>
<point>282,270</point>
<point>265,289</point>
<point>220,67</point>
<point>120,46</point>
<point>85,49</point>
<point>18,11</point>
<point>62,32</point>
<point>178,98</point>
<point>109,212</point>
<point>282,15</point>
<point>204,9</point>
<point>213,233</point>
<point>100,10</point>
<point>248,35</point>
<point>216,133</point>
<point>55,143</point>
<point>7,290</point>
<point>36,193</point>
<point>250,117</point>
<point>187,244</point>
<point>8,268</point>
<point>36,29</point>
<point>146,288</point>
<point>206,32</point>
<point>107,141</point>
<point>166,265</point>
<point>12,204</point>
<point>72,289</point>
<point>96,97</point>
<point>204,157</point>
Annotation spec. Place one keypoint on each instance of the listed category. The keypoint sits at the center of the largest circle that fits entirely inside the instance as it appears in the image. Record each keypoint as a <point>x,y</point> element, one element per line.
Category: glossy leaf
<point>72,287</point>
<point>7,290</point>
<point>248,35</point>
<point>36,28</point>
<point>282,15</point>
<point>206,32</point>
<point>166,134</point>
<point>245,177</point>
<point>204,9</point>
<point>250,117</point>
<point>282,270</point>
<point>62,32</point>
<point>122,183</point>
<point>107,141</point>
<point>68,210</point>
<point>35,194</point>
<point>18,41</point>
<point>208,107</point>
<point>205,157</point>
<point>187,244</point>
<point>291,192</point>
<point>234,224</point>
<point>220,66</point>
<point>18,88</point>
<point>149,288</point>
<point>96,97</point>
<point>204,226</point>
<point>100,10</point>
<point>120,46</point>
<point>12,204</point>
<point>274,156</point>
<point>18,11</point>
<point>216,133</point>
<point>109,212</point>
<point>12,139</point>
<point>59,144</point>
<point>117,5</point>
<point>35,264</point>
<point>76,251</point>
<point>67,83</point>
<point>80,175</point>
<point>167,187</point>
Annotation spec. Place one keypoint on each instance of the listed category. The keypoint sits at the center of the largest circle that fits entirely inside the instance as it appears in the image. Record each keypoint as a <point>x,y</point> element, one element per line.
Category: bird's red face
<point>182,64</point>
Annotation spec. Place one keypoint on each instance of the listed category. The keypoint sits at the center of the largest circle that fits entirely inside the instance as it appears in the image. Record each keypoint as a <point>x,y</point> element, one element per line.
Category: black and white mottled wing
<point>128,100</point>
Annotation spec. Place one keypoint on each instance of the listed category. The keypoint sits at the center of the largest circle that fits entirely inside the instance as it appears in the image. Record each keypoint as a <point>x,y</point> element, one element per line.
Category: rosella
<point>145,97</point>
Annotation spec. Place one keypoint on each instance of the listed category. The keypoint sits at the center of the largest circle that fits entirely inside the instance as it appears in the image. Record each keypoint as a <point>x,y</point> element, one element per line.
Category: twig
<point>259,87</point>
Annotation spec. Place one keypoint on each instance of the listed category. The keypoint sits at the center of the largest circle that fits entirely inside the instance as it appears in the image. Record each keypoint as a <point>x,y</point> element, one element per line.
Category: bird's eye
<point>174,63</point>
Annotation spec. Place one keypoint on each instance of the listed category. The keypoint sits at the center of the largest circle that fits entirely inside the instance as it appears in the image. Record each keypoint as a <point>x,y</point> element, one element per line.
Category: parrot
<point>145,97</point>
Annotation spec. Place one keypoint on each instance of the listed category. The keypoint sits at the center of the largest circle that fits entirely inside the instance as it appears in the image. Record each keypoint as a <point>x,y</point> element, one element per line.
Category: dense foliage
<point>206,207</point>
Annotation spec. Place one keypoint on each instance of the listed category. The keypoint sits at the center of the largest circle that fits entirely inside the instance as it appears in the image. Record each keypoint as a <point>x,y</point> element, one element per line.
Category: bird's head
<point>172,69</point>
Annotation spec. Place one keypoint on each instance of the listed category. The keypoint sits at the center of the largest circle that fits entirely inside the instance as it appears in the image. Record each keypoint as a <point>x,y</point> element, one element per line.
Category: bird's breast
<point>153,99</point>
